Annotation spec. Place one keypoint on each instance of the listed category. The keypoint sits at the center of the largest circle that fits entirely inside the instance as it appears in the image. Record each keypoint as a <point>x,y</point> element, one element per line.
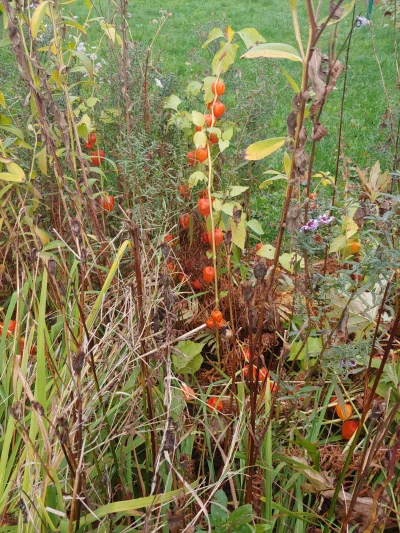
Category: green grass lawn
<point>178,54</point>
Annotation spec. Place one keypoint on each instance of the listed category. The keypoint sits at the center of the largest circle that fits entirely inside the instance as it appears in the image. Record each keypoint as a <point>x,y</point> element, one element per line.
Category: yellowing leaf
<point>339,243</point>
<point>6,176</point>
<point>266,251</point>
<point>76,25</point>
<point>197,118</point>
<point>193,88</point>
<point>196,178</point>
<point>346,10</point>
<point>238,233</point>
<point>262,149</point>
<point>200,139</point>
<point>291,81</point>
<point>223,145</point>
<point>13,168</point>
<point>215,33</point>
<point>172,102</point>
<point>224,58</point>
<point>37,18</point>
<point>229,33</point>
<point>227,134</point>
<point>288,261</point>
<point>251,37</point>
<point>2,100</point>
<point>42,161</point>
<point>42,235</point>
<point>273,50</point>
<point>287,163</point>
<point>350,228</point>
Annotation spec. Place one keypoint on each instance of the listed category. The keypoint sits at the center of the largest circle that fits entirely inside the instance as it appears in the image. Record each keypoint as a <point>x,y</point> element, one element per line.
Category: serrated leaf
<point>251,37</point>
<point>273,50</point>
<point>224,58</point>
<point>255,226</point>
<point>262,149</point>
<point>196,178</point>
<point>172,102</point>
<point>37,18</point>
<point>42,161</point>
<point>200,139</point>
<point>215,33</point>
<point>236,190</point>
<point>266,251</point>
<point>190,359</point>
<point>85,60</point>
<point>198,118</point>
<point>193,88</point>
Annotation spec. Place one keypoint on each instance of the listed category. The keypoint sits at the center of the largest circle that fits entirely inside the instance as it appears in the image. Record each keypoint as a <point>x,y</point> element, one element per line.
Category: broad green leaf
<point>251,37</point>
<point>215,33</point>
<point>85,60</point>
<point>291,81</point>
<point>190,359</point>
<point>193,88</point>
<point>200,139</point>
<point>266,251</point>
<point>42,161</point>
<point>227,207</point>
<point>312,348</point>
<point>238,233</point>
<point>92,101</point>
<point>346,10</point>
<point>196,178</point>
<point>219,511</point>
<point>262,149</point>
<point>236,190</point>
<point>223,145</point>
<point>224,58</point>
<point>172,102</point>
<point>13,130</point>
<point>227,134</point>
<point>2,100</point>
<point>255,226</point>
<point>6,176</point>
<point>37,18</point>
<point>288,261</point>
<point>217,205</point>
<point>273,50</point>
<point>198,118</point>
<point>339,243</point>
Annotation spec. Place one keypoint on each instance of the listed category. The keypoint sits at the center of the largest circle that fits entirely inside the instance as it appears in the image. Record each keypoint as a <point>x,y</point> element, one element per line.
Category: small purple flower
<point>315,223</point>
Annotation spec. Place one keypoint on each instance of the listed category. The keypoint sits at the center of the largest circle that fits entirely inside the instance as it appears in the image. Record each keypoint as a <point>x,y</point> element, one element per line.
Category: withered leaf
<point>335,11</point>
<point>293,219</point>
<point>319,131</point>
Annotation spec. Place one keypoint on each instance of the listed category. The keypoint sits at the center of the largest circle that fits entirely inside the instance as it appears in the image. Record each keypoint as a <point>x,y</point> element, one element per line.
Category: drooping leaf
<point>255,226</point>
<point>262,149</point>
<point>215,33</point>
<point>15,169</point>
<point>37,18</point>
<point>6,176</point>
<point>196,178</point>
<point>224,58</point>
<point>291,81</point>
<point>13,130</point>
<point>223,145</point>
<point>273,50</point>
<point>270,180</point>
<point>251,37</point>
<point>238,233</point>
<point>346,10</point>
<point>85,60</point>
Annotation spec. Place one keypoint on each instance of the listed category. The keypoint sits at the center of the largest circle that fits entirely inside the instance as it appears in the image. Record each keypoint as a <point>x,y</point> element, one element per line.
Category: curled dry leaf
<point>335,11</point>
<point>293,219</point>
<point>319,131</point>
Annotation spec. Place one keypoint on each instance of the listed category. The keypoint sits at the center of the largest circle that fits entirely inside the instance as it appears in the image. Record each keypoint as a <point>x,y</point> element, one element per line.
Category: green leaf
<point>92,101</point>
<point>238,233</point>
<point>196,178</point>
<point>224,58</point>
<point>172,102</point>
<point>227,207</point>
<point>190,359</point>
<point>193,88</point>
<point>42,160</point>
<point>7,176</point>
<point>85,60</point>
<point>37,18</point>
<point>312,349</point>
<point>255,226</point>
<point>262,149</point>
<point>241,515</point>
<point>219,506</point>
<point>227,134</point>
<point>251,37</point>
<point>5,41</point>
<point>339,243</point>
<point>200,139</point>
<point>198,118</point>
<point>13,130</point>
<point>266,251</point>
<point>270,180</point>
<point>288,261</point>
<point>291,81</point>
<point>223,145</point>
<point>215,33</point>
<point>236,190</point>
<point>273,50</point>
